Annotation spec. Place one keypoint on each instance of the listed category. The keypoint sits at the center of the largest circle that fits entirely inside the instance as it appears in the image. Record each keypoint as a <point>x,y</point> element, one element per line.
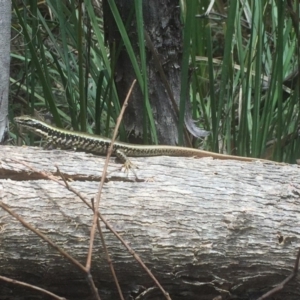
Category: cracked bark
<point>204,227</point>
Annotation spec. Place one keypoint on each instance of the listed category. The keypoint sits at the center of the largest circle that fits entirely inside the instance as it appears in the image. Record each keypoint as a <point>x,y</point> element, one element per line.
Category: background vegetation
<point>244,88</point>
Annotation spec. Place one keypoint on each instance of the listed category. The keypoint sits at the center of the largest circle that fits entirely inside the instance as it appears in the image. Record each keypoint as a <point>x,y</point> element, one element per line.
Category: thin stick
<point>98,195</point>
<point>100,233</point>
<point>281,285</point>
<point>111,266</point>
<point>21,283</point>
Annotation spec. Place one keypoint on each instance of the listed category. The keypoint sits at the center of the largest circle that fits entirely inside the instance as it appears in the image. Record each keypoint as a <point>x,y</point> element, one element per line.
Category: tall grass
<point>248,112</point>
<point>240,55</point>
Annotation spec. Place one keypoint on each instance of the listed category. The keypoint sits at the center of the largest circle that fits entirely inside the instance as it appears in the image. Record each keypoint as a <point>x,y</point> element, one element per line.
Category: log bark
<point>204,227</point>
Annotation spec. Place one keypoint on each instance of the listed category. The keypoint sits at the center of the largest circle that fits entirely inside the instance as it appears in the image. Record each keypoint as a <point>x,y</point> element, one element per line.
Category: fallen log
<point>204,227</point>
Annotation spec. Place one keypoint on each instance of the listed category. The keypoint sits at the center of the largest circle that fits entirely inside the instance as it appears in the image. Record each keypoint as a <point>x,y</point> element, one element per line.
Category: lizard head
<point>34,125</point>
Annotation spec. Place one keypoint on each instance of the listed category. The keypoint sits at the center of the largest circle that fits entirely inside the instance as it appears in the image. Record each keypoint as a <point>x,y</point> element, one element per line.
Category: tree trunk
<point>5,16</point>
<point>204,227</point>
<point>162,24</point>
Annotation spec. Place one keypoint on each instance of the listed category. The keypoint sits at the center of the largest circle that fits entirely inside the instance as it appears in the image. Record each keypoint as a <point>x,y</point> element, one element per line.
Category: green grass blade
<point>141,40</point>
<point>225,96</point>
<point>190,20</point>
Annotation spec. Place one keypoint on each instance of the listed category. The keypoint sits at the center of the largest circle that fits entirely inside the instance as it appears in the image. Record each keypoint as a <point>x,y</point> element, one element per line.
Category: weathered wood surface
<point>204,227</point>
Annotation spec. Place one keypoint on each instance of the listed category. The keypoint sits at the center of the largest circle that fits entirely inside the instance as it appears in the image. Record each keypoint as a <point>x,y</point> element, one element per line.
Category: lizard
<point>98,145</point>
